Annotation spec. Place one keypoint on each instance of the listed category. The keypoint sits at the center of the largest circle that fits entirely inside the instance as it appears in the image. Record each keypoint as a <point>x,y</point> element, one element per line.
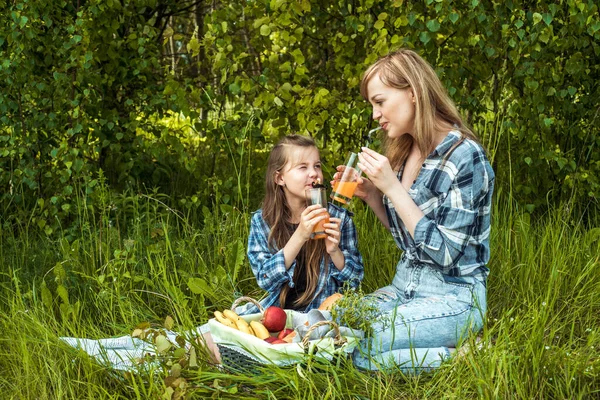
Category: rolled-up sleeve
<point>443,235</point>
<point>353,271</point>
<point>268,268</point>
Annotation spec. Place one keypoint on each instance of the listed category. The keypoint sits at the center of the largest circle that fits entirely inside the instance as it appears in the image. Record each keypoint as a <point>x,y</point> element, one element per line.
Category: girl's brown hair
<point>277,214</point>
<point>434,109</point>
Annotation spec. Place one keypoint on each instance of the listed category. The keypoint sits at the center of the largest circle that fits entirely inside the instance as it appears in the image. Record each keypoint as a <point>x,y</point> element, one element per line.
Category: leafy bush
<point>187,98</point>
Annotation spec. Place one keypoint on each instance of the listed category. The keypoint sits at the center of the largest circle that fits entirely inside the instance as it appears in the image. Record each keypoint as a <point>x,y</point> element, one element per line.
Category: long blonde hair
<point>434,109</point>
<point>276,213</point>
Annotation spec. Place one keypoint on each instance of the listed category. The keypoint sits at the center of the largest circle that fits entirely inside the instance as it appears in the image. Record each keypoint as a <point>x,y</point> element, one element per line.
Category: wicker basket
<point>246,299</point>
<point>234,359</point>
<point>237,359</point>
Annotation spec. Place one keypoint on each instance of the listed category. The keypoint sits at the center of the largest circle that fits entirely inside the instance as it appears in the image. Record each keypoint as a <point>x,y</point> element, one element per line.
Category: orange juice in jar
<point>344,188</point>
<point>318,195</point>
<point>319,229</point>
<point>343,191</point>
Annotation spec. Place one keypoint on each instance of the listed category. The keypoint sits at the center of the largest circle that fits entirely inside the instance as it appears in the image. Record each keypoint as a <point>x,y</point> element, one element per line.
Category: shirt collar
<point>451,138</point>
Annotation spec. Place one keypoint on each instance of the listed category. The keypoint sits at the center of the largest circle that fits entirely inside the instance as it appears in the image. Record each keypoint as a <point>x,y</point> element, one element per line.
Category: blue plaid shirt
<point>456,198</point>
<point>271,274</point>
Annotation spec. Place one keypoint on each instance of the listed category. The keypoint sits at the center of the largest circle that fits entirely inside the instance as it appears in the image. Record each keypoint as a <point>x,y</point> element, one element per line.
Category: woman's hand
<point>332,240</point>
<point>366,189</point>
<point>377,167</point>
<point>309,218</point>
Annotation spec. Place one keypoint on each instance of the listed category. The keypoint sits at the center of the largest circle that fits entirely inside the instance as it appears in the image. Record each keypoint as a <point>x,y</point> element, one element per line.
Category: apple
<point>278,341</point>
<point>271,339</point>
<point>274,319</point>
<point>284,333</point>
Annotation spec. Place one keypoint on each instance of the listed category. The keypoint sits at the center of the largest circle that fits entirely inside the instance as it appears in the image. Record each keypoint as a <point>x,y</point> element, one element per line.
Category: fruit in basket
<point>244,327</point>
<point>284,333</point>
<point>289,338</point>
<point>224,320</point>
<point>274,319</point>
<point>274,340</point>
<point>328,303</point>
<point>239,321</point>
<point>231,315</point>
<point>260,331</point>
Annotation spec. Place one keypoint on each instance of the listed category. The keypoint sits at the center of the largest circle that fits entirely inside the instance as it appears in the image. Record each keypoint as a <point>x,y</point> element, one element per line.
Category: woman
<point>433,190</point>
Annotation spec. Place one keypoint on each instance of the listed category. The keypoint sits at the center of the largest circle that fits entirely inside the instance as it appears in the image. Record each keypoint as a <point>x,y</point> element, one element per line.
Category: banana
<point>231,315</point>
<point>241,322</point>
<point>244,327</point>
<point>259,330</point>
<point>224,320</point>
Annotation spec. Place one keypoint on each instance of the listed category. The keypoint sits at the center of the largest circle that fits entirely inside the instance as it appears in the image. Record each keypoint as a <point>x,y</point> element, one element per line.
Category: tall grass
<point>141,260</point>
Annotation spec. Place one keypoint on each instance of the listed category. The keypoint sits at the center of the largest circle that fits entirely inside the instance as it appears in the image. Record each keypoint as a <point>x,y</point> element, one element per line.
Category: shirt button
<point>415,181</point>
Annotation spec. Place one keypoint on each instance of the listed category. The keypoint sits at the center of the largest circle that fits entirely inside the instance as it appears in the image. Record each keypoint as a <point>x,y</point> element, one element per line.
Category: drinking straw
<point>368,139</point>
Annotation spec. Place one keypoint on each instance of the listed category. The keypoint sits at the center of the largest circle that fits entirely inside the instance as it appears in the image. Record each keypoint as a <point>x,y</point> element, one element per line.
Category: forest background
<point>131,127</point>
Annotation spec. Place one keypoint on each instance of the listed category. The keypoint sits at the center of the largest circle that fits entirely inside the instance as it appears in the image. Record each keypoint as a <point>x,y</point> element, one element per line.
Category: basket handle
<point>242,299</point>
<point>338,339</point>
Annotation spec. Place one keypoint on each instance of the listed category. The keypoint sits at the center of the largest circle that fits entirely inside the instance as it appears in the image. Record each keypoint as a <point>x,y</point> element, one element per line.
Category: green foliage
<point>525,77</point>
<point>133,141</point>
<point>187,97</point>
<point>540,340</point>
<point>71,100</point>
<point>356,310</point>
<point>132,255</point>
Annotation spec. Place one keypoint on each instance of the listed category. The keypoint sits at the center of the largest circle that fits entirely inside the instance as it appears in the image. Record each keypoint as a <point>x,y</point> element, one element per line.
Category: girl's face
<point>302,169</point>
<point>392,108</point>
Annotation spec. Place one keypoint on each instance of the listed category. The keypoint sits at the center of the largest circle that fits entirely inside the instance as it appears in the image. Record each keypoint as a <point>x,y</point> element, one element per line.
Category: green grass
<point>142,261</point>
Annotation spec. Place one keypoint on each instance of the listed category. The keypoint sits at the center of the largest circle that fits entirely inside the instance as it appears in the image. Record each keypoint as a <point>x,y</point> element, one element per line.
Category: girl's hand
<point>309,218</point>
<point>332,240</point>
<point>377,167</point>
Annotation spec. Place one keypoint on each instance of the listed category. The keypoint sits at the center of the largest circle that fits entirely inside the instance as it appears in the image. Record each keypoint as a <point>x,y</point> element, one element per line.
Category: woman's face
<point>392,108</point>
<point>302,169</point>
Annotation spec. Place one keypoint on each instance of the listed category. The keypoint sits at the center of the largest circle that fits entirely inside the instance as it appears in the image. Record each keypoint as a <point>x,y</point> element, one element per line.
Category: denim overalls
<point>422,313</point>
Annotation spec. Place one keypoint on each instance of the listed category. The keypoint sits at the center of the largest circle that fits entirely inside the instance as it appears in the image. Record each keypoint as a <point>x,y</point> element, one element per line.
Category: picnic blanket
<point>123,353</point>
<point>127,353</point>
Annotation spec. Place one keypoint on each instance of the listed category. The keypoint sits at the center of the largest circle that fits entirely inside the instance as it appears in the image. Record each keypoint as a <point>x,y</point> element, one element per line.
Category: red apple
<point>271,339</point>
<point>274,319</point>
<point>284,333</point>
<point>278,341</point>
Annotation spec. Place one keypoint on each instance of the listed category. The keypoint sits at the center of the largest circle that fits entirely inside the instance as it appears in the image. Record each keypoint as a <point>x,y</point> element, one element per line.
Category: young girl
<point>433,190</point>
<point>298,272</point>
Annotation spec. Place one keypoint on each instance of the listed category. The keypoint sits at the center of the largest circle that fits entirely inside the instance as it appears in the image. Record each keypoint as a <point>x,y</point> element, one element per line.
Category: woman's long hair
<point>277,214</point>
<point>403,69</point>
